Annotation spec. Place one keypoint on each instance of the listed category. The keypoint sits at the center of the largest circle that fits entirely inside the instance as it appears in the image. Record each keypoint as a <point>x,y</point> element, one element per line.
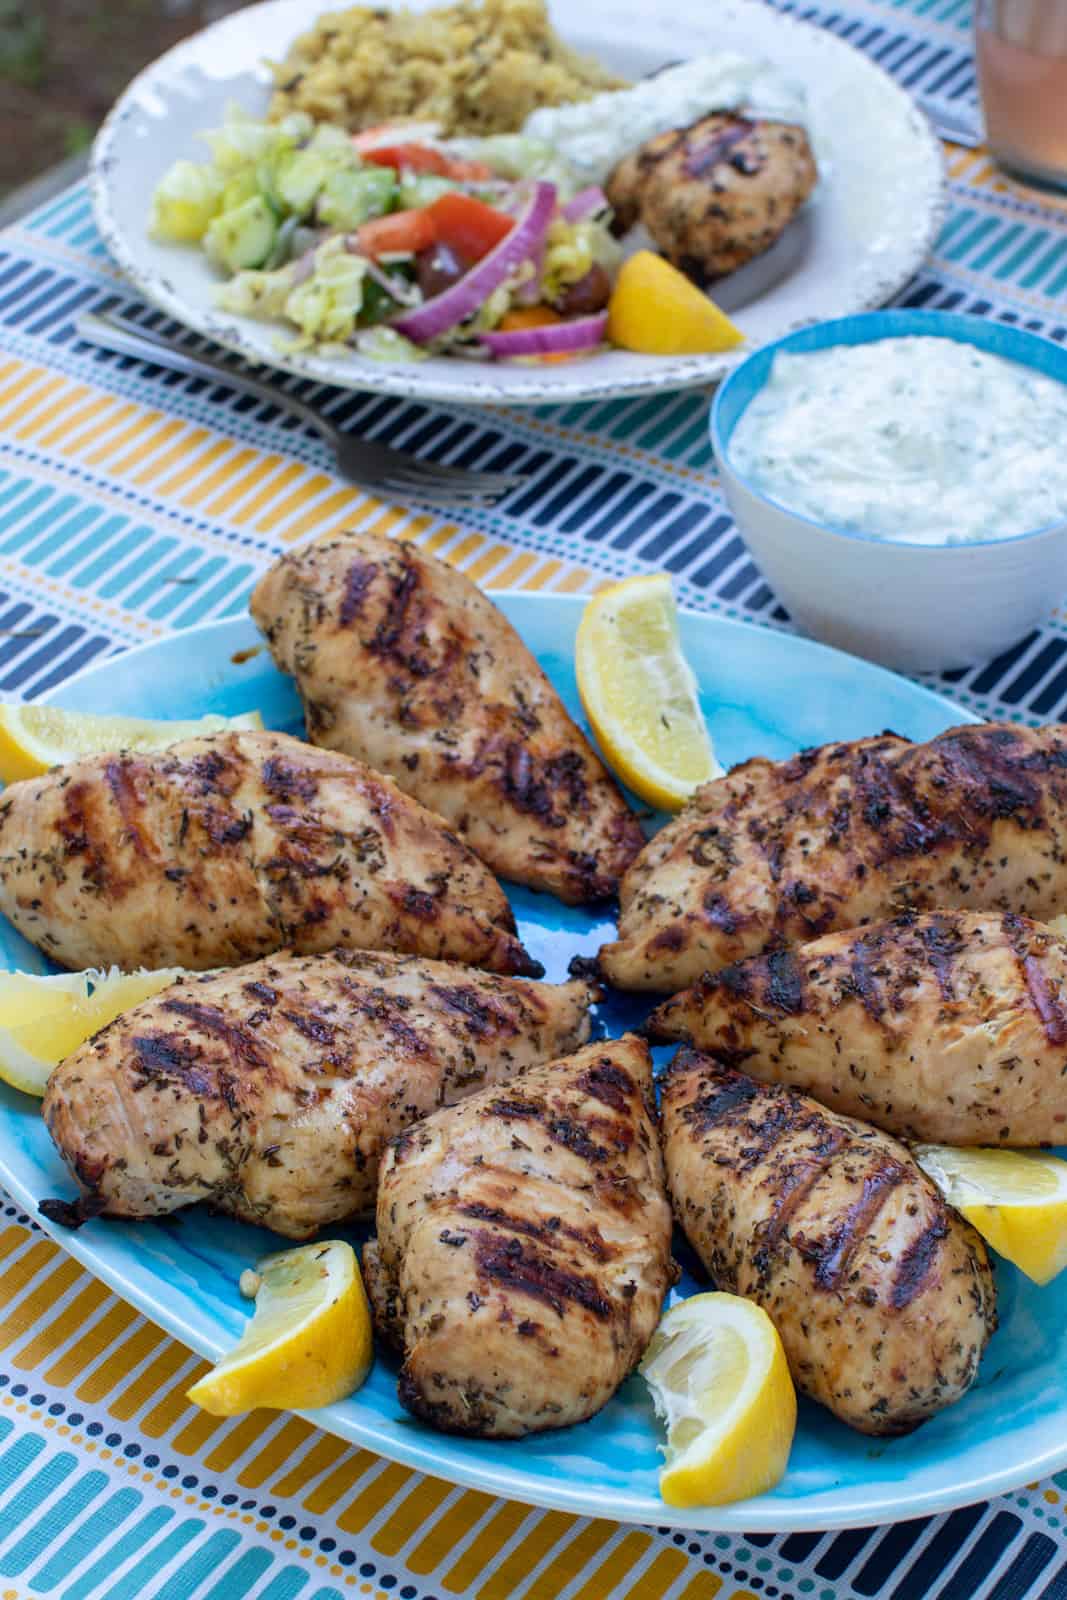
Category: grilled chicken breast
<point>406,664</point>
<point>950,1027</point>
<point>523,1246</point>
<point>271,1090</point>
<point>225,848</point>
<point>883,1296</point>
<point>778,853</point>
<point>717,193</point>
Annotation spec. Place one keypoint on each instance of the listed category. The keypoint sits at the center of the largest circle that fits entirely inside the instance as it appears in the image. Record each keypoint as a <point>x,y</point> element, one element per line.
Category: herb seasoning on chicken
<point>882,1295</point>
<point>715,194</point>
<point>222,849</point>
<point>272,1090</point>
<point>523,1247</point>
<point>780,852</point>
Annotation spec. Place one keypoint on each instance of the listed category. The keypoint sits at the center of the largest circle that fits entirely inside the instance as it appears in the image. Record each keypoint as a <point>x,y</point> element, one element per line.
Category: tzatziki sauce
<point>595,134</point>
<point>920,439</point>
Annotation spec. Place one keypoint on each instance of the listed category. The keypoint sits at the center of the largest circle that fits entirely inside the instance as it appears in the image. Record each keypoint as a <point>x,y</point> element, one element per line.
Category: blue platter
<point>763,693</point>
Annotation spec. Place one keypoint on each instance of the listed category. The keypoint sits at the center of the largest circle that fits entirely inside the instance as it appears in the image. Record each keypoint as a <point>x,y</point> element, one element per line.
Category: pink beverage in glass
<point>1021,47</point>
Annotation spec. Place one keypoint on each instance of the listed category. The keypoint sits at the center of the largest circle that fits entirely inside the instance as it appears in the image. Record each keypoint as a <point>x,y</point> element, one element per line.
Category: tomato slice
<point>467,226</point>
<point>401,232</point>
<point>410,158</point>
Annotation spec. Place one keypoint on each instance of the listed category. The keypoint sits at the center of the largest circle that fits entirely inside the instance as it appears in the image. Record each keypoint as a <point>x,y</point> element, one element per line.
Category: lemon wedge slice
<point>640,694</point>
<point>35,737</point>
<point>43,1020</point>
<point>309,1340</point>
<point>1017,1199</point>
<point>720,1381</point>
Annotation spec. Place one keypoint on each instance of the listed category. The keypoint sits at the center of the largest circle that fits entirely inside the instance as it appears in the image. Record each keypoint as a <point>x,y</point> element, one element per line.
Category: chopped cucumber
<point>186,199</point>
<point>244,185</point>
<point>418,190</point>
<point>349,198</point>
<point>298,177</point>
<point>243,237</point>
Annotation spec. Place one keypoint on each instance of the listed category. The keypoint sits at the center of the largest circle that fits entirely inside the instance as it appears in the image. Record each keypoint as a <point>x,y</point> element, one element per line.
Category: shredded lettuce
<point>571,249</point>
<point>385,344</point>
<point>513,155</point>
<point>327,305</point>
<point>186,200</point>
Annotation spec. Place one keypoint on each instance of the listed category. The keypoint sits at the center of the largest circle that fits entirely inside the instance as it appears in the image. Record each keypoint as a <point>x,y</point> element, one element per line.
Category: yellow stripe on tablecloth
<point>340,500</point>
<point>67,431</point>
<point>658,1576</point>
<point>378,1493</point>
<point>196,1433</point>
<point>220,477</point>
<point>11,1239</point>
<point>486,1545</point>
<point>486,562</point>
<point>415,1509</point>
<point>274,485</point>
<point>239,1439</point>
<point>452,1526</point>
<point>48,1339</point>
<point>163,1416</point>
<point>162,431</point>
<point>514,572</point>
<point>170,1360</point>
<point>571,1560</point>
<point>122,1360</point>
<point>109,416</point>
<point>20,1272</point>
<point>276,1453</point>
<point>611,1571</point>
<point>293,502</point>
<point>702,1586</point>
<point>548,1530</point>
<point>134,431</point>
<point>19,384</point>
<point>329,1491</point>
<point>192,439</point>
<point>73,394</point>
<point>322,1454</point>
<point>92,1344</point>
<point>573,581</point>
<point>35,1305</point>
<point>440,536</point>
<point>544,576</point>
<point>214,452</point>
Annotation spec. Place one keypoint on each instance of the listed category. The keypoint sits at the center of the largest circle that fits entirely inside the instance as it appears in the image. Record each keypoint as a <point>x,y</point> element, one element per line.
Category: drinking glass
<point>1021,46</point>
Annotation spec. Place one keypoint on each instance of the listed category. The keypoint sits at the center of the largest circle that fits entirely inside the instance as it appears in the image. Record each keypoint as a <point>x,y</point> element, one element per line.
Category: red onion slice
<point>586,203</point>
<point>555,338</point>
<point>463,299</point>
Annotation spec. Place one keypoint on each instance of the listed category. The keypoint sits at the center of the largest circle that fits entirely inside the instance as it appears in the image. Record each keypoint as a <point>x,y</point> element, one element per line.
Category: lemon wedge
<point>309,1340</point>
<point>36,737</point>
<point>720,1381</point>
<point>1017,1199</point>
<point>43,1020</point>
<point>640,694</point>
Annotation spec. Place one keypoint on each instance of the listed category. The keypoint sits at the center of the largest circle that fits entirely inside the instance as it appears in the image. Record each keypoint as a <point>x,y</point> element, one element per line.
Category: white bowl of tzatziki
<point>901,477</point>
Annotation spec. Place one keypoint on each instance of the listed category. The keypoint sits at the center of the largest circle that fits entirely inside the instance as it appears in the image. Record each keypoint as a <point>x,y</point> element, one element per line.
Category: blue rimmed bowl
<point>916,608</point>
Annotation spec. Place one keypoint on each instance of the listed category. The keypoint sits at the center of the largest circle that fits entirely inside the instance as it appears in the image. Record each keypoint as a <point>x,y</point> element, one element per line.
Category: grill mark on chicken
<point>237,1038</point>
<point>832,1256</point>
<point>157,1056</point>
<point>863,981</point>
<point>796,1185</point>
<point>589,1238</point>
<point>479,1015</point>
<point>915,1264</point>
<point>608,1083</point>
<point>942,943</point>
<point>389,632</point>
<point>566,1131</point>
<point>513,1266</point>
<point>119,777</point>
<point>700,158</point>
<point>785,982</point>
<point>1045,1003</point>
<point>358,579</point>
<point>718,1104</point>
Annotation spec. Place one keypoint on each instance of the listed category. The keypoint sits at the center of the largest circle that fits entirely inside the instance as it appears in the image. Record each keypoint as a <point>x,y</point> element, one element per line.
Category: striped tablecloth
<point>132,504</point>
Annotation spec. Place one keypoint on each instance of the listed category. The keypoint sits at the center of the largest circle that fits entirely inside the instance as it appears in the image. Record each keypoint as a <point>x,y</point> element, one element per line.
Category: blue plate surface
<point>763,693</point>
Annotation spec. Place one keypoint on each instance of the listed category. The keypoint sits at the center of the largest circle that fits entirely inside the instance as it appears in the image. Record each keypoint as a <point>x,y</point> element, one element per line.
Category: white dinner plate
<point>873,218</point>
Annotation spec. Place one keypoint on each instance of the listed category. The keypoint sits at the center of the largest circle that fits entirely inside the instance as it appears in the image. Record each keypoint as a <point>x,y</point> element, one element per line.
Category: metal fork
<point>364,461</point>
